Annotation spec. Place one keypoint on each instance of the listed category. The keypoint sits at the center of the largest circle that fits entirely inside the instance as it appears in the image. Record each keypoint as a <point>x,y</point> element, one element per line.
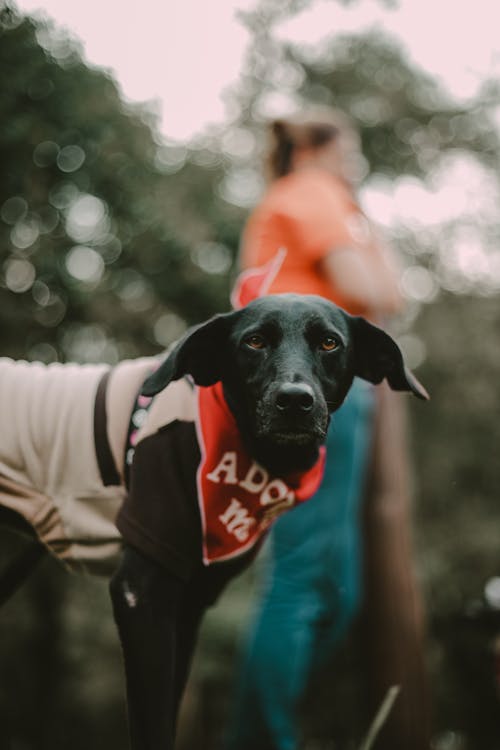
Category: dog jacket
<point>87,461</point>
<point>49,471</point>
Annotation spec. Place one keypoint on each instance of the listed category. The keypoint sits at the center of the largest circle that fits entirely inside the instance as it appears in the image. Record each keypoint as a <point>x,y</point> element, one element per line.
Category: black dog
<point>283,364</point>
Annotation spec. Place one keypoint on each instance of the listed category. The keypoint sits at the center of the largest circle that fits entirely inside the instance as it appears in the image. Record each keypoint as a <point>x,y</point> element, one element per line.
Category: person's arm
<point>365,280</point>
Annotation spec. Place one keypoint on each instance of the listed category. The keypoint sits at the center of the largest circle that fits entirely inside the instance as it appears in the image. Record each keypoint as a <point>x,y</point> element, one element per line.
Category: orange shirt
<point>310,213</point>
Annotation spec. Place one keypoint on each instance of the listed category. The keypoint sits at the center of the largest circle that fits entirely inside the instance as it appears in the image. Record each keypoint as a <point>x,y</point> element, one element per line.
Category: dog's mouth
<point>292,435</point>
<point>282,451</point>
<point>294,438</point>
<point>291,429</point>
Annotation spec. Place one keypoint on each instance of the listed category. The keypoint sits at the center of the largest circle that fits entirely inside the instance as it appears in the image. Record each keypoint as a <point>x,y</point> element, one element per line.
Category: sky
<point>185,53</point>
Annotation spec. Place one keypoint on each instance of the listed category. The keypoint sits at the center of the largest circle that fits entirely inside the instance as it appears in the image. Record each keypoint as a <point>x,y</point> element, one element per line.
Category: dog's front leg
<point>146,604</point>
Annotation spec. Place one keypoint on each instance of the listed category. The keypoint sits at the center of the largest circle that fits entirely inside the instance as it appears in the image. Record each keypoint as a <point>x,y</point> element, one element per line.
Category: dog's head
<point>286,363</point>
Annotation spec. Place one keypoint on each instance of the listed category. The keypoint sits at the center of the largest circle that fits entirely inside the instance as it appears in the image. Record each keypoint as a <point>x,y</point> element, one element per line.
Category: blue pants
<point>312,589</point>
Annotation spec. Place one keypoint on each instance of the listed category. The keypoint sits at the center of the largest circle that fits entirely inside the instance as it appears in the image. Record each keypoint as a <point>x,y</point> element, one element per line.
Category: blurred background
<point>121,205</point>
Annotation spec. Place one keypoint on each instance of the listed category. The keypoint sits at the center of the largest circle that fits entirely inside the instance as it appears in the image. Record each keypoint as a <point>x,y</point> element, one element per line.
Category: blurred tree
<point>104,228</point>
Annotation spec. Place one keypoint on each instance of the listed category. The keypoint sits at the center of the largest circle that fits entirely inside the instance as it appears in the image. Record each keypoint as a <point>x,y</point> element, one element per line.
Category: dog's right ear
<point>201,353</point>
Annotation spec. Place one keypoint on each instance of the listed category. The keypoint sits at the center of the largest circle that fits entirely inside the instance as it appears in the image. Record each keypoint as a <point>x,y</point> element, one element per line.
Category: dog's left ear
<point>377,356</point>
<point>200,353</point>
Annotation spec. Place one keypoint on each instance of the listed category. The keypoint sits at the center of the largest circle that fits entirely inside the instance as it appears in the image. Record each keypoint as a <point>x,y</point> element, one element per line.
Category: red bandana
<point>238,498</point>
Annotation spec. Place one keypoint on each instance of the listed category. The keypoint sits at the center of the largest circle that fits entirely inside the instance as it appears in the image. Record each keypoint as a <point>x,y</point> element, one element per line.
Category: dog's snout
<point>295,397</point>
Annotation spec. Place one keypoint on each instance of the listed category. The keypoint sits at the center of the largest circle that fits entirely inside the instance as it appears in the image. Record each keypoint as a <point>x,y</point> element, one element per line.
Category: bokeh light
<point>84,264</point>
<point>87,219</point>
<point>20,275</point>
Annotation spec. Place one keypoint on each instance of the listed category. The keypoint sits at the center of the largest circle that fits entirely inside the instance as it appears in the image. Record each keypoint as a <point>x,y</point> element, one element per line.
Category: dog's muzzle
<point>292,414</point>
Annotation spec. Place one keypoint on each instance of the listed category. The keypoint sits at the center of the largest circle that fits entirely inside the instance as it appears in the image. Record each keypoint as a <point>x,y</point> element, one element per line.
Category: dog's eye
<point>328,344</point>
<point>255,341</point>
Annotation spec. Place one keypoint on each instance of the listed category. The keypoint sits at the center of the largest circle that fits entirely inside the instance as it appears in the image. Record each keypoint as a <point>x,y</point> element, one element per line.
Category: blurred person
<point>312,587</point>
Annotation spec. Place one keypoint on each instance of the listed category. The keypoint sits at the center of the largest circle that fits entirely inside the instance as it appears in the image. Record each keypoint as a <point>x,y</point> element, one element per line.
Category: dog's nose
<point>295,397</point>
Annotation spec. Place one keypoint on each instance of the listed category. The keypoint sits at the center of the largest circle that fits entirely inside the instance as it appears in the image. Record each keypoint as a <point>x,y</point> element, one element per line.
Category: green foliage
<point>456,486</point>
<point>406,119</point>
<point>80,168</point>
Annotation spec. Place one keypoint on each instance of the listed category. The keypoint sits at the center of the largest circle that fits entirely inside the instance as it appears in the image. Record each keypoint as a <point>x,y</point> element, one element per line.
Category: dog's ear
<point>200,353</point>
<point>377,356</point>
